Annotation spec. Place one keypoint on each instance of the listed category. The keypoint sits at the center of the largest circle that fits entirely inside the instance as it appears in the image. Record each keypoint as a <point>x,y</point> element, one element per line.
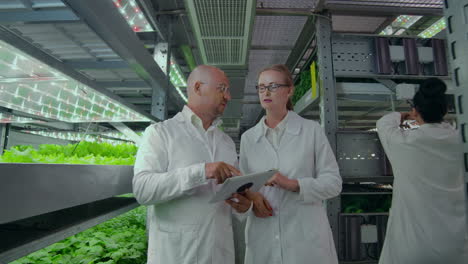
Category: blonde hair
<point>281,68</point>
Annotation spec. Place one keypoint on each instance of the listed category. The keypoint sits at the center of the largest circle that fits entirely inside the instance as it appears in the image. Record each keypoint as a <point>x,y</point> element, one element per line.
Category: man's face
<point>215,93</point>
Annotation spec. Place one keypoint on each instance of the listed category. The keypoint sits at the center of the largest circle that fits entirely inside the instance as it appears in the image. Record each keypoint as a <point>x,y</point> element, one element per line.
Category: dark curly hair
<point>430,100</point>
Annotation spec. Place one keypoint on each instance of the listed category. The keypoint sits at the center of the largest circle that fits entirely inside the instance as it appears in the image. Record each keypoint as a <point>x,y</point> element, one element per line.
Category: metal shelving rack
<point>352,58</point>
<point>45,203</point>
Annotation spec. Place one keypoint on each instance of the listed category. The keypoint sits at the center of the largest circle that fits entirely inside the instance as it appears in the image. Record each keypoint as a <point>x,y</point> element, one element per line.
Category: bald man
<point>178,166</point>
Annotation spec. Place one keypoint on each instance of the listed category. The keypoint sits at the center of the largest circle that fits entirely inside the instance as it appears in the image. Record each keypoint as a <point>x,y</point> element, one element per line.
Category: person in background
<point>179,163</point>
<point>427,221</point>
<point>288,223</point>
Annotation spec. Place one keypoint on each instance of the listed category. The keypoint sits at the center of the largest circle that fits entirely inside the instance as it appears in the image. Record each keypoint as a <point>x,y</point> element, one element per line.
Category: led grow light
<point>30,86</point>
<point>76,136</point>
<point>400,25</point>
<point>434,29</point>
<point>133,14</point>
<point>9,118</point>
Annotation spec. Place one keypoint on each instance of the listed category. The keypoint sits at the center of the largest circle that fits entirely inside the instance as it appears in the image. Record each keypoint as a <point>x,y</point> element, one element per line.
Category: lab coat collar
<point>188,115</point>
<point>293,125</point>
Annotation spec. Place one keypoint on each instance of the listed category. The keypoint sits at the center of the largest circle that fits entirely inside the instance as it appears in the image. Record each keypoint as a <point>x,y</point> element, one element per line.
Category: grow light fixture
<point>434,29</point>
<point>400,25</point>
<point>76,137</point>
<point>177,79</point>
<point>9,118</point>
<point>30,86</point>
<point>133,15</point>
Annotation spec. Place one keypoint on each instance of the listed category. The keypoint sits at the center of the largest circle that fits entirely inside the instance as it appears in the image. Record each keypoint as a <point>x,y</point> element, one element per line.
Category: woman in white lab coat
<point>427,221</point>
<point>289,223</point>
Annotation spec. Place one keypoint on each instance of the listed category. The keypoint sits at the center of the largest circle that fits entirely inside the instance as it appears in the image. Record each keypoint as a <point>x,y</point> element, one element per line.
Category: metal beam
<point>272,47</point>
<point>97,65</point>
<point>138,100</point>
<point>9,37</point>
<point>374,10</point>
<point>319,4</point>
<point>123,84</point>
<point>284,12</point>
<point>103,18</point>
<point>127,132</point>
<point>27,4</point>
<point>384,24</point>
<point>303,42</point>
<point>149,10</point>
<point>67,185</point>
<point>38,16</point>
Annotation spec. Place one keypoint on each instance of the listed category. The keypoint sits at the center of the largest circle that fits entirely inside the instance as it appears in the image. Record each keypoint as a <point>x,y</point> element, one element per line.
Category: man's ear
<point>197,88</point>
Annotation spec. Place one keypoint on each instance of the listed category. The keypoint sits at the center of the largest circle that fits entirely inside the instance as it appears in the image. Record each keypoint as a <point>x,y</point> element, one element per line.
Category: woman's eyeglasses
<point>272,87</point>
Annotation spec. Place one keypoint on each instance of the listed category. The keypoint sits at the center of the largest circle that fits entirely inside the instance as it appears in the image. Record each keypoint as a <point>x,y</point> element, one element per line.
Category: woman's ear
<point>291,91</point>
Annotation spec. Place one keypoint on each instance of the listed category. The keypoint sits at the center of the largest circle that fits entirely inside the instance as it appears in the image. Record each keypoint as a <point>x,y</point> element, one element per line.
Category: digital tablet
<point>239,184</point>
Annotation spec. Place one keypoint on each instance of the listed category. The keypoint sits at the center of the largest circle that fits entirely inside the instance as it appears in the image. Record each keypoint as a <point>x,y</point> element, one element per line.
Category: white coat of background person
<point>178,164</point>
<point>289,223</point>
<point>427,222</point>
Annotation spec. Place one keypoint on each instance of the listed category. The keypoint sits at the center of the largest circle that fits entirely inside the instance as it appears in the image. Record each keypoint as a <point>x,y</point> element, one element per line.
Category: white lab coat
<point>170,177</point>
<point>299,231</point>
<point>427,221</point>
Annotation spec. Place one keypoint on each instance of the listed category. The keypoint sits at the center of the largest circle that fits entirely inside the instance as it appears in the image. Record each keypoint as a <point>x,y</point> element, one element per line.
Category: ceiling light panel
<point>30,86</point>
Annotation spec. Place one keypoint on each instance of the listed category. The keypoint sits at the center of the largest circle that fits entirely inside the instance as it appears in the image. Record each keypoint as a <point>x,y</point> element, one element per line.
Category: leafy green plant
<point>366,203</point>
<point>303,86</point>
<point>121,240</point>
<point>81,153</point>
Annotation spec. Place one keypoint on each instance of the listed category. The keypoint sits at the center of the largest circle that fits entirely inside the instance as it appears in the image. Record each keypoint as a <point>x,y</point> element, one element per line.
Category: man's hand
<point>220,171</point>
<point>284,182</point>
<point>239,202</point>
<point>261,206</point>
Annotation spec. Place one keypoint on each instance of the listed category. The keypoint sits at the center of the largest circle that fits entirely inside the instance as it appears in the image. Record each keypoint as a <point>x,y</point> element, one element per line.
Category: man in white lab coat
<point>179,163</point>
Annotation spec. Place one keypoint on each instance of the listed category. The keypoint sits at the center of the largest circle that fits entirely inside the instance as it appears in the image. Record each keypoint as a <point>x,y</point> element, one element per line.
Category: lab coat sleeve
<point>243,159</point>
<point>327,183</point>
<point>388,128</point>
<point>243,167</point>
<point>152,183</point>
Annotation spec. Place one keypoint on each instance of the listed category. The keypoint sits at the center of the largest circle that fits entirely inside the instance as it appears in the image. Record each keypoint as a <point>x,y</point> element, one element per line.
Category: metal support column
<point>328,105</point>
<point>3,137</point>
<point>158,104</point>
<point>456,14</point>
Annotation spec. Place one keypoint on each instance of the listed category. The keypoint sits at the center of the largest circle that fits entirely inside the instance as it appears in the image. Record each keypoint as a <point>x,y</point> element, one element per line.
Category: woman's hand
<point>406,116</point>
<point>283,182</point>
<point>261,207</point>
<point>239,202</point>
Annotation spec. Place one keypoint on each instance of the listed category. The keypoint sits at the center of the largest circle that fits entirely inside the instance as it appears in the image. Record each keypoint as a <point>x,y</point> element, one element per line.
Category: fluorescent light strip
<point>133,14</point>
<point>177,80</point>
<point>8,118</point>
<point>400,25</point>
<point>76,136</point>
<point>434,29</point>
<point>30,86</point>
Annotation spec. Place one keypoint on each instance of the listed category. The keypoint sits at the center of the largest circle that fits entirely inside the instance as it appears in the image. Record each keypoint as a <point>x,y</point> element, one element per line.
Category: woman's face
<point>277,99</point>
